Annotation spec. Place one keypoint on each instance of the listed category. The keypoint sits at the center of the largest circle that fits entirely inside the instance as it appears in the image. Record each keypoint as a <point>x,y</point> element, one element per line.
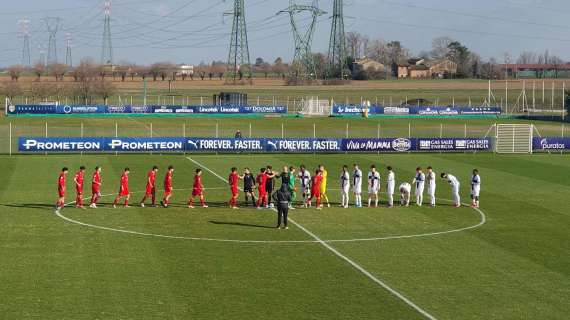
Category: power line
<point>503,35</point>
<point>472,15</point>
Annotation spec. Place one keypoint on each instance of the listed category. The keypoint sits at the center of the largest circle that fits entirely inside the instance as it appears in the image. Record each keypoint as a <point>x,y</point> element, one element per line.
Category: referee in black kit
<point>282,199</point>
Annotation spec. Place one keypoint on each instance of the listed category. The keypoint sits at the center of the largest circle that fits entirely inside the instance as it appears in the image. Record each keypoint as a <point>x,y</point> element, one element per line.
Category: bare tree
<point>58,70</point>
<point>103,89</point>
<point>15,72</point>
<point>491,70</point>
<point>142,71</point>
<point>476,63</point>
<point>440,47</point>
<point>11,90</point>
<point>279,67</point>
<point>40,90</point>
<point>527,57</point>
<point>378,51</point>
<point>201,70</point>
<point>155,70</point>
<point>219,69</point>
<point>354,44</point>
<point>39,70</point>
<point>85,74</point>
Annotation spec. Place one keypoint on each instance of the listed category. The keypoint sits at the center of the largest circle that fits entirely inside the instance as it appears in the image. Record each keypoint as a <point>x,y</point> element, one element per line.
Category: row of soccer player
<point>311,187</point>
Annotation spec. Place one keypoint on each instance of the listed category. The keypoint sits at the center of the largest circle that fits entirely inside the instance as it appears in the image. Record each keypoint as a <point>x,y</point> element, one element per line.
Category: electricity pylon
<point>68,60</point>
<point>25,31</point>
<point>239,65</point>
<point>303,62</point>
<point>107,47</point>
<point>337,47</point>
<point>52,24</point>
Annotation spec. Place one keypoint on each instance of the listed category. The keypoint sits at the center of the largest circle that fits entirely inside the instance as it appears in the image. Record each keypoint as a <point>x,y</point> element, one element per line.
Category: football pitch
<point>508,260</point>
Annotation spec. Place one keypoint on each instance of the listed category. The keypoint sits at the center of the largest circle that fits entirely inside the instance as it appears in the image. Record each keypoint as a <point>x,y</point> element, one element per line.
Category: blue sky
<point>192,31</point>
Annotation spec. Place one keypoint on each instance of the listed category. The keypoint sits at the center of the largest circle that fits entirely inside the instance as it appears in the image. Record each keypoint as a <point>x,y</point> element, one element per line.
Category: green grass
<point>515,266</point>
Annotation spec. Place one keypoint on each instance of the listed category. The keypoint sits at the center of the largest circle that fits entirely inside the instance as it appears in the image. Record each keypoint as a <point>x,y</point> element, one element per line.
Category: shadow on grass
<point>239,224</point>
<point>42,206</point>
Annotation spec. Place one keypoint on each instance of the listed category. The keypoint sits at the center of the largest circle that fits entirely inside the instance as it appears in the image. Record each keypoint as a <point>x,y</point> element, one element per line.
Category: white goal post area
<point>514,138</point>
<point>313,106</point>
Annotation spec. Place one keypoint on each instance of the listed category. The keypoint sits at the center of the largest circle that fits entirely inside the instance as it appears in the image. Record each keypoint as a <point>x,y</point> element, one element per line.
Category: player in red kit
<point>78,179</point>
<point>123,189</point>
<point>197,190</point>
<point>167,187</point>
<point>150,187</point>
<point>95,188</point>
<point>61,190</point>
<point>262,192</point>
<point>233,181</point>
<point>316,181</point>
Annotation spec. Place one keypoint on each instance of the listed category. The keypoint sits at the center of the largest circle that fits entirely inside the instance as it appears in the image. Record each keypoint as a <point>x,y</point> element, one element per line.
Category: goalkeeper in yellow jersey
<point>324,197</point>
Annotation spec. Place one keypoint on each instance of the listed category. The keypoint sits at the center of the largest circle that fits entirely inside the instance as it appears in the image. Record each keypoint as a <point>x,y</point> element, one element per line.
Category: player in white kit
<point>357,186</point>
<point>419,182</point>
<point>344,186</point>
<point>475,188</point>
<point>405,194</point>
<point>430,178</point>
<point>373,186</point>
<point>305,181</point>
<point>390,186</point>
<point>454,183</point>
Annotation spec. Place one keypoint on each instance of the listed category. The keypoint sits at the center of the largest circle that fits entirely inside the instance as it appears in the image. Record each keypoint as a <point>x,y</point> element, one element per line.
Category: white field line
<point>345,258</point>
<point>481,222</point>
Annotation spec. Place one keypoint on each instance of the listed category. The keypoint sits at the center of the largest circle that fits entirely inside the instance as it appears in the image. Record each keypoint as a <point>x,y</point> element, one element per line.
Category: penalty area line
<point>343,257</point>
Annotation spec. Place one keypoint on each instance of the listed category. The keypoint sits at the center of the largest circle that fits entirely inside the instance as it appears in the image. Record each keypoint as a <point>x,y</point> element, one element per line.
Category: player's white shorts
<point>390,188</point>
<point>345,190</point>
<point>305,190</point>
<point>373,190</point>
<point>357,189</point>
<point>420,191</point>
<point>475,191</point>
<point>431,191</point>
<point>455,189</point>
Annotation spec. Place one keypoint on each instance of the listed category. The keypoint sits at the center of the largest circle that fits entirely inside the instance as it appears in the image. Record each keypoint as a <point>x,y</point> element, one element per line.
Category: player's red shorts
<point>235,191</point>
<point>150,190</point>
<point>262,192</point>
<point>61,193</point>
<point>167,191</point>
<point>95,189</point>
<point>123,192</point>
<point>196,192</point>
<point>315,193</point>
<point>79,190</point>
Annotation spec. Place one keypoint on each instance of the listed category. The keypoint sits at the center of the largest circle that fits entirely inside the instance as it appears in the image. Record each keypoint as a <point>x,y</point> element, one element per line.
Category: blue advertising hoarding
<point>128,109</point>
<point>339,109</point>
<point>379,145</point>
<point>260,145</point>
<point>453,144</point>
<point>551,144</point>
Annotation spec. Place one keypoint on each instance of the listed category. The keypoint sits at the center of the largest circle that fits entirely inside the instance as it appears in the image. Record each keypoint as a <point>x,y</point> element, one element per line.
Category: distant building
<point>441,68</point>
<point>185,70</point>
<point>424,69</point>
<point>368,64</point>
<point>366,68</point>
<point>536,70</point>
<point>419,71</point>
